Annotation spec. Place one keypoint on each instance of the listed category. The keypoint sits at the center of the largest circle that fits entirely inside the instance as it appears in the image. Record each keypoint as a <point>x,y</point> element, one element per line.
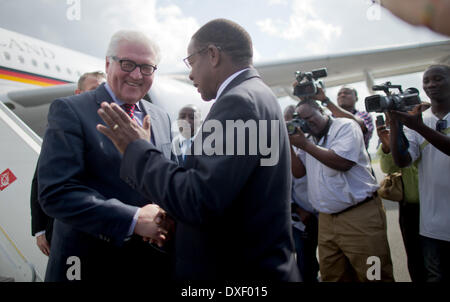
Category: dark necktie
<point>129,109</point>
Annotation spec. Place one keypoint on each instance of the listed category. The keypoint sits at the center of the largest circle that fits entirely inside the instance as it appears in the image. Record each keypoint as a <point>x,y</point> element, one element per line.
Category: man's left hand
<point>411,119</point>
<point>122,130</point>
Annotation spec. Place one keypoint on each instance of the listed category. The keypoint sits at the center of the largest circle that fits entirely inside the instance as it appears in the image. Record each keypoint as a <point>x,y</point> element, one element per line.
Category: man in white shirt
<point>352,221</point>
<point>429,140</point>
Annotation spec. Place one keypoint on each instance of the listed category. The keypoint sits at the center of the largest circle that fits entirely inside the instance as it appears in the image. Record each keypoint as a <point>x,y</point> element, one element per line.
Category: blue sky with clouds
<point>280,29</point>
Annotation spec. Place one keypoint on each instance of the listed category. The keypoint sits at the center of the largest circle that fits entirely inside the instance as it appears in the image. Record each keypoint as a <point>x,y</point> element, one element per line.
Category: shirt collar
<point>227,81</point>
<point>116,100</point>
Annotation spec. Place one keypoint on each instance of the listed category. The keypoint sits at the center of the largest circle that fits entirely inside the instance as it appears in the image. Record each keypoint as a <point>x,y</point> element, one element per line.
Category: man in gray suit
<point>232,209</point>
<point>98,217</point>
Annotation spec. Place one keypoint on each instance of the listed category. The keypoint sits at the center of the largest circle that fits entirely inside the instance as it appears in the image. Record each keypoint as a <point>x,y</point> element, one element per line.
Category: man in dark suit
<point>41,224</point>
<point>96,213</point>
<point>232,209</point>
<point>189,120</point>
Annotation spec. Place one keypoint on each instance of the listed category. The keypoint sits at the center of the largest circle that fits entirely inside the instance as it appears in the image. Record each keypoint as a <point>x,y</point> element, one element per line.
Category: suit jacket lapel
<point>102,95</point>
<point>155,122</point>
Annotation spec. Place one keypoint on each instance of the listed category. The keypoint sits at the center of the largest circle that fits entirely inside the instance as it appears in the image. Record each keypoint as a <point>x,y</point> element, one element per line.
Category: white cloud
<point>165,24</point>
<point>303,23</point>
<point>277,2</point>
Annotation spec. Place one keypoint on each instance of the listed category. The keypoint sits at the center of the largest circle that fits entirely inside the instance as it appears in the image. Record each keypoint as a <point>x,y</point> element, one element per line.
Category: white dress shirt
<point>331,191</point>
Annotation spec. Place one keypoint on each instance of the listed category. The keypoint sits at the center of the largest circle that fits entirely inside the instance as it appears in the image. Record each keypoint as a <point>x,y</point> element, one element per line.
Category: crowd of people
<point>114,188</point>
<point>328,158</point>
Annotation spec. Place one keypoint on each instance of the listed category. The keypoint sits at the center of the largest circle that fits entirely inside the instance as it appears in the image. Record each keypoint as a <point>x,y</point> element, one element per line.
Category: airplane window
<point>69,71</point>
<point>34,62</point>
<point>7,55</point>
<point>58,69</point>
<point>46,65</point>
<point>21,59</point>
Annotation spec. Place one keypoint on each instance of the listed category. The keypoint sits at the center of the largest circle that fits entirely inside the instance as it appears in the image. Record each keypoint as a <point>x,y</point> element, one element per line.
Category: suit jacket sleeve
<point>39,220</point>
<point>193,196</point>
<point>63,190</point>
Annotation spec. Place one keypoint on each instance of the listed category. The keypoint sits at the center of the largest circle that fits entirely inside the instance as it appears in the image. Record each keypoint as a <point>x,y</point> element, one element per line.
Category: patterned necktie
<point>129,109</point>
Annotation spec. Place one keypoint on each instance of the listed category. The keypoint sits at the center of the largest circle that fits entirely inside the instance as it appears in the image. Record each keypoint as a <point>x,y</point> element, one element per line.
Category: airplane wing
<point>351,67</point>
<point>40,96</point>
<point>31,105</point>
<point>357,66</point>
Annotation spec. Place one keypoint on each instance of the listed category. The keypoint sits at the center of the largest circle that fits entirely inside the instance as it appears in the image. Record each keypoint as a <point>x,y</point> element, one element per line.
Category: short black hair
<point>230,37</point>
<point>350,88</point>
<point>444,66</point>
<point>312,103</point>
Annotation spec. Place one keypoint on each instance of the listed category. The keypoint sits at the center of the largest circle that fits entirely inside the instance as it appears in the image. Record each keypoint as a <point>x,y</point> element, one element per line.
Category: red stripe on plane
<point>33,77</point>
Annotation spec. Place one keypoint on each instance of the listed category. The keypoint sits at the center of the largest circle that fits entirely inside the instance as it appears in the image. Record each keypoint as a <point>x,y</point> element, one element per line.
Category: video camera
<point>403,101</point>
<point>295,123</point>
<point>307,82</point>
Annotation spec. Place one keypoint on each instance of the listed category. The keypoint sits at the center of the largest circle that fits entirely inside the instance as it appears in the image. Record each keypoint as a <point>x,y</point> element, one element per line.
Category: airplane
<point>33,73</point>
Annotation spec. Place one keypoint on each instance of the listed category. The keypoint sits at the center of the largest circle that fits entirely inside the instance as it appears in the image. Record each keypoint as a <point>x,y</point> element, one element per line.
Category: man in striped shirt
<point>346,99</point>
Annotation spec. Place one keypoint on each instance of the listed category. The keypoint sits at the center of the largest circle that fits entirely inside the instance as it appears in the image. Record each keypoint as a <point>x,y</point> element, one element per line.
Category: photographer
<point>428,139</point>
<point>304,220</point>
<point>352,221</point>
<point>409,207</point>
<point>347,98</point>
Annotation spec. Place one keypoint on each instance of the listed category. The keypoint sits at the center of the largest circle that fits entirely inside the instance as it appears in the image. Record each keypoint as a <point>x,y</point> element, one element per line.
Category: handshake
<point>154,225</point>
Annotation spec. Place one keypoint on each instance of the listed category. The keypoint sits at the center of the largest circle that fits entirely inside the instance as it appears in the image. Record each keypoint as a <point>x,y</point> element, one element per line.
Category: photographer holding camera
<point>304,219</point>
<point>305,87</point>
<point>352,221</point>
<point>408,207</point>
<point>428,139</point>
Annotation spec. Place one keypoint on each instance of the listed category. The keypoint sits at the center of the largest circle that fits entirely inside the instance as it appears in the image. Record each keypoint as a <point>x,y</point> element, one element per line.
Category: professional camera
<point>403,101</point>
<point>297,122</point>
<point>307,82</point>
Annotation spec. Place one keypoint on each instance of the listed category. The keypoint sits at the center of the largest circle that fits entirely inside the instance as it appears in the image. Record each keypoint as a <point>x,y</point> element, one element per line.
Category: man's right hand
<point>153,224</point>
<point>43,244</point>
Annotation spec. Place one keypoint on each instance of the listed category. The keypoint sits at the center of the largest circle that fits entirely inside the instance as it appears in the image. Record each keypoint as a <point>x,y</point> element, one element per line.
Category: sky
<point>280,29</point>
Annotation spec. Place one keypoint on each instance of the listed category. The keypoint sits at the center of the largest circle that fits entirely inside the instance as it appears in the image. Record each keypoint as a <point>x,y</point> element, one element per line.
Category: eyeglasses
<point>129,66</point>
<point>441,125</point>
<point>186,60</point>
